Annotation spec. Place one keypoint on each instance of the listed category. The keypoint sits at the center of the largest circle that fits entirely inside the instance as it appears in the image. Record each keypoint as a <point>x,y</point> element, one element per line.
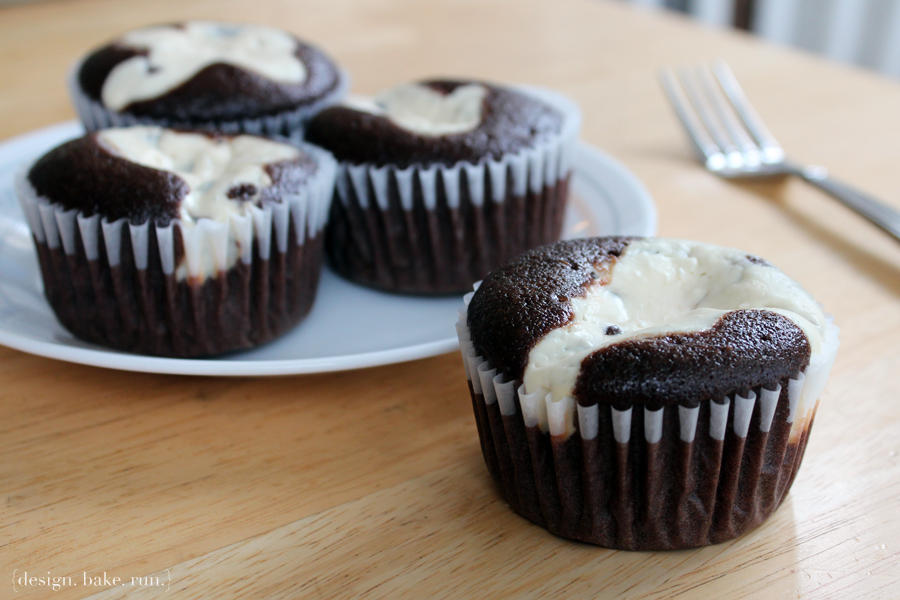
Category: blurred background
<point>861,32</point>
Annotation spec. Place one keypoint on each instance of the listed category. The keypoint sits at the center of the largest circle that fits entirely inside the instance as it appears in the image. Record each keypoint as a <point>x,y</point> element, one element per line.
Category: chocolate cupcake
<point>441,181</point>
<point>178,244</point>
<point>644,394</point>
<point>205,75</point>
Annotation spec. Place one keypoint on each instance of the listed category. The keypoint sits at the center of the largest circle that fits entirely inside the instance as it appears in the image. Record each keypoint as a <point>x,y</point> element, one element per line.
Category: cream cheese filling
<point>661,286</point>
<point>422,110</point>
<point>211,166</point>
<point>176,54</point>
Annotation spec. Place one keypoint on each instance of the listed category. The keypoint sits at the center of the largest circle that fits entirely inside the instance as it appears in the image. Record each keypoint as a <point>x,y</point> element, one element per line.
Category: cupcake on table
<point>644,394</point>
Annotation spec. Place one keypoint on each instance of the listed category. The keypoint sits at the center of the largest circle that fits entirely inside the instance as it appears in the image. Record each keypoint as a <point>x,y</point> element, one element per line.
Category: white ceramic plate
<point>350,326</point>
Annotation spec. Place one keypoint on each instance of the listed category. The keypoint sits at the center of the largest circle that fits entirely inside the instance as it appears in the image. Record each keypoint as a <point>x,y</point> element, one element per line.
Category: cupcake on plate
<point>644,394</point>
<point>206,75</point>
<point>441,181</point>
<point>178,244</point>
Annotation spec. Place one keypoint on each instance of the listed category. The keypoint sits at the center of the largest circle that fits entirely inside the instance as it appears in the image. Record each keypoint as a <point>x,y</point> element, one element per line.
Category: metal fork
<point>733,142</point>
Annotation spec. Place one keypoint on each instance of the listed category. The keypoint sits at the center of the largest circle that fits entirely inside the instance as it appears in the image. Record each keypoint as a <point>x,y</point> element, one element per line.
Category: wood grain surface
<point>370,483</point>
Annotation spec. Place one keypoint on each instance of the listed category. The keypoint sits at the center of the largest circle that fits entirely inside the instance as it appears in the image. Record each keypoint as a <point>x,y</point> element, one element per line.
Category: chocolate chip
<point>242,191</point>
<point>758,261</point>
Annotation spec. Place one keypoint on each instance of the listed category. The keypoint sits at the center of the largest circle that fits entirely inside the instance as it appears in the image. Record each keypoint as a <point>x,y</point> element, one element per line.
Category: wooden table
<point>371,483</point>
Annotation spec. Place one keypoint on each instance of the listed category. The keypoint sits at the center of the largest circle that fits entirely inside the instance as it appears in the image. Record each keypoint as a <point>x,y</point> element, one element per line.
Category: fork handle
<point>882,215</point>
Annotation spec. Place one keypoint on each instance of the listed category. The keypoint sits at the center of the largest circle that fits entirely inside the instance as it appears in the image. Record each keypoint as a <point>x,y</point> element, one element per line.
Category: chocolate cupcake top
<point>434,121</point>
<point>652,321</point>
<point>141,173</point>
<point>205,71</point>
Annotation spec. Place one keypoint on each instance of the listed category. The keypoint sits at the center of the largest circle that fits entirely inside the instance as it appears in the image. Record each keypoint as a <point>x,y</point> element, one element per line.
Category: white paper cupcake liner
<point>645,479</point>
<point>288,123</point>
<point>437,228</point>
<point>154,278</point>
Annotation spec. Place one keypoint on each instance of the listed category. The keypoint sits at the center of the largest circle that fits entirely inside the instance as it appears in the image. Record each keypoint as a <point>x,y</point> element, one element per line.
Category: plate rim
<point>218,367</point>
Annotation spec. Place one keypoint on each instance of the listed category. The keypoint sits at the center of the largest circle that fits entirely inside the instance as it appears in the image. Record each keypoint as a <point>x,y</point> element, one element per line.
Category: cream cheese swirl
<point>176,53</point>
<point>426,111</point>
<point>661,286</point>
<point>213,167</point>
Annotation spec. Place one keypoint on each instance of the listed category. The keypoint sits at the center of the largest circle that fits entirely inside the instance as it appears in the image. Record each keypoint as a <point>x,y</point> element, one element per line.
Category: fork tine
<point>699,136</point>
<point>726,114</point>
<point>771,149</point>
<point>708,115</point>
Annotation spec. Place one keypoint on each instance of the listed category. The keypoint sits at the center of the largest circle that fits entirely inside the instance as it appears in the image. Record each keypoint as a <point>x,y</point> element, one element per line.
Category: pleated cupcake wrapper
<point>209,246</point>
<point>212,301</point>
<point>514,174</point>
<point>538,175</point>
<point>288,123</point>
<point>548,456</point>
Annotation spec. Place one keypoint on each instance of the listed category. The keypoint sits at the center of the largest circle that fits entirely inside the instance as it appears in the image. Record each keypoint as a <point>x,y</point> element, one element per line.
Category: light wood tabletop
<point>370,483</point>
